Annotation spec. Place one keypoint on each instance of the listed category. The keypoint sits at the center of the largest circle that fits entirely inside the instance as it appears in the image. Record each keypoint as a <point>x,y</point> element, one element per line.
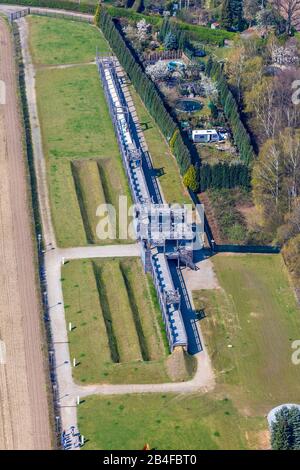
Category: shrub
<point>190,179</point>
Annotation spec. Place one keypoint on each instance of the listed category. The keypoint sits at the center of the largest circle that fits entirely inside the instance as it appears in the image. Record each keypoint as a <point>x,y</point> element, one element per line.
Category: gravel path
<point>68,390</point>
<point>24,418</point>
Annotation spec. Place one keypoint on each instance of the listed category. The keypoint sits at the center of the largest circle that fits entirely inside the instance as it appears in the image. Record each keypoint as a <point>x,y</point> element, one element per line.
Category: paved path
<point>6,9</point>
<point>68,391</point>
<point>24,417</point>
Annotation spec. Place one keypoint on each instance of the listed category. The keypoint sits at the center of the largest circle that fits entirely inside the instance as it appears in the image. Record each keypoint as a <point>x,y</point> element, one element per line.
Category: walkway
<point>67,392</point>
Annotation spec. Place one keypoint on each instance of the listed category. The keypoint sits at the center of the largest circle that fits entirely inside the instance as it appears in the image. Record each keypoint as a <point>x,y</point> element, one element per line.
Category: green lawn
<point>76,125</point>
<point>59,41</point>
<point>116,337</point>
<point>254,311</point>
<point>165,421</point>
<point>170,180</point>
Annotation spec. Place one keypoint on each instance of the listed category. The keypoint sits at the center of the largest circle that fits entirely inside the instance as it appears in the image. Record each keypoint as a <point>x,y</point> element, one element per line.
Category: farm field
<point>116,338</point>
<point>254,311</point>
<point>170,180</point>
<point>83,162</point>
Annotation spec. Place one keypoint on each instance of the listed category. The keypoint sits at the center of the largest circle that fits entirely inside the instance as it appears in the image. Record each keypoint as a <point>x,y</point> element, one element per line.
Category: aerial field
<point>255,312</point>
<point>116,338</point>
<point>55,41</point>
<point>83,162</point>
<point>165,421</point>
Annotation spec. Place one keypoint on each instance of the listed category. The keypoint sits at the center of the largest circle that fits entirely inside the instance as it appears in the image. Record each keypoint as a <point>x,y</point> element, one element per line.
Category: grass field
<point>254,311</point>
<point>76,127</point>
<point>116,337</point>
<point>83,162</point>
<point>57,41</point>
<point>170,180</point>
<point>165,421</point>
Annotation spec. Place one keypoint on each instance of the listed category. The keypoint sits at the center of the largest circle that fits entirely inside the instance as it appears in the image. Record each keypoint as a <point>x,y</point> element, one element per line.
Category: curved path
<point>24,417</point>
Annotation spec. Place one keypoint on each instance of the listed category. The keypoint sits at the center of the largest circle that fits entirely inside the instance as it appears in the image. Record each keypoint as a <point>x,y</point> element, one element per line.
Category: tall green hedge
<point>231,111</point>
<point>223,175</point>
<point>195,32</point>
<point>56,4</point>
<point>144,86</point>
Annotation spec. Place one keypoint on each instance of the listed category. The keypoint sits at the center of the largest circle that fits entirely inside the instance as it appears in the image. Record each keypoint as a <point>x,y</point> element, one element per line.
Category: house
<point>215,25</point>
<point>205,135</point>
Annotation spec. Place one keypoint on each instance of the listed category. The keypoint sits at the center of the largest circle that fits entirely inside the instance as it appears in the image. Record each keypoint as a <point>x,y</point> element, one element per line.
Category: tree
<point>251,8</point>
<point>213,110</point>
<point>226,15</point>
<point>170,41</point>
<point>260,103</point>
<point>285,429</point>
<point>190,179</point>
<point>138,6</point>
<point>268,17</point>
<point>290,10</point>
<point>232,14</point>
<point>237,14</point>
<point>276,178</point>
<point>267,175</point>
<point>291,255</point>
<point>158,71</point>
<point>143,29</point>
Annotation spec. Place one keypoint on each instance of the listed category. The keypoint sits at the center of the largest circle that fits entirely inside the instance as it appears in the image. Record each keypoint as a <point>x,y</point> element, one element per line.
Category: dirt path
<point>24,419</point>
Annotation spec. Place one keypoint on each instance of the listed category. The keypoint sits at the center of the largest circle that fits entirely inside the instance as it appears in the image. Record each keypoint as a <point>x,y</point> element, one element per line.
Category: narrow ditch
<point>112,340</point>
<point>84,215</point>
<point>135,313</point>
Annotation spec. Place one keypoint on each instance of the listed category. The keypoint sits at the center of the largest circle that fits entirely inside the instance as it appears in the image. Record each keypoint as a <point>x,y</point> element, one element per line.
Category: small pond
<point>188,106</point>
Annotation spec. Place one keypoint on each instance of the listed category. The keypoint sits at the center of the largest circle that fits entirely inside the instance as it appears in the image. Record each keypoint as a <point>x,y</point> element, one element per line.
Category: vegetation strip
<point>56,4</point>
<point>135,314</point>
<point>112,340</point>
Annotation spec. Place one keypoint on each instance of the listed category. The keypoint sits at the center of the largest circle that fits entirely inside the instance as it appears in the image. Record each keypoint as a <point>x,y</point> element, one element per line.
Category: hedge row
<point>56,4</point>
<point>27,130</point>
<point>198,33</point>
<point>205,34</point>
<point>223,175</point>
<point>144,86</point>
<point>240,134</point>
<point>130,14</point>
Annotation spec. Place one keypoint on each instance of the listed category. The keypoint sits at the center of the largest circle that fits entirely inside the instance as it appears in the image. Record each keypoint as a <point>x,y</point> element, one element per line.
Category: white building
<point>205,135</point>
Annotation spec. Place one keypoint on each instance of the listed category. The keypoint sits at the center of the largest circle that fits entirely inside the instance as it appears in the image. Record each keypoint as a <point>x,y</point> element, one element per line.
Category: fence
<point>38,231</point>
<point>162,55</point>
<point>62,15</point>
<point>15,15</point>
<point>52,14</point>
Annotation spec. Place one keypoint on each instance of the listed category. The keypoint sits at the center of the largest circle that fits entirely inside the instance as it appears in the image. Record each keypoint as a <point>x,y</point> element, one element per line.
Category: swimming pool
<point>188,106</point>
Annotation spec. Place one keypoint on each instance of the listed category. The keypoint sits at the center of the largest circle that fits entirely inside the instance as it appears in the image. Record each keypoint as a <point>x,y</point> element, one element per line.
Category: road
<point>24,415</point>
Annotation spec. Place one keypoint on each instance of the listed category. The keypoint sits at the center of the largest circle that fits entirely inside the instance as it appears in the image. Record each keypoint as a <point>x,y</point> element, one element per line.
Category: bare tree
<point>260,102</point>
<point>290,10</point>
